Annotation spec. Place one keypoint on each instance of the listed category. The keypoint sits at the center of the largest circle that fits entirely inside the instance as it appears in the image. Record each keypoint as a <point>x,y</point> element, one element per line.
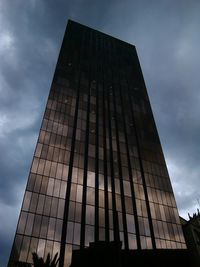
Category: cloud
<point>183,182</point>
<point>25,117</point>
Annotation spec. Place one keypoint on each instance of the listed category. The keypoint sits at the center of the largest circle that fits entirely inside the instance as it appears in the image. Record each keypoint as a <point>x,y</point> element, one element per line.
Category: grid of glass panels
<point>98,158</point>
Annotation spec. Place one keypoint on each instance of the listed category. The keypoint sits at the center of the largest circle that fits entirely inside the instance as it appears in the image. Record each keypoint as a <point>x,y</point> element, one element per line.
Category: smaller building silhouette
<point>191,230</point>
<point>111,254</point>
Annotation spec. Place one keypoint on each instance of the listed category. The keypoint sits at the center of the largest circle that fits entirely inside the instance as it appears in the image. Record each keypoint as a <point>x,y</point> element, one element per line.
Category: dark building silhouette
<point>191,231</point>
<point>98,171</point>
<point>110,254</point>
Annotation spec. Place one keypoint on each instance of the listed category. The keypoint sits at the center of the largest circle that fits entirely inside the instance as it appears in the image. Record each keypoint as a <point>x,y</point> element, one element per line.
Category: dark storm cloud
<point>166,36</point>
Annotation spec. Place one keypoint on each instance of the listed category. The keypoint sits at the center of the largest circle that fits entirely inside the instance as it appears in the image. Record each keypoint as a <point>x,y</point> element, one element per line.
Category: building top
<point>105,34</point>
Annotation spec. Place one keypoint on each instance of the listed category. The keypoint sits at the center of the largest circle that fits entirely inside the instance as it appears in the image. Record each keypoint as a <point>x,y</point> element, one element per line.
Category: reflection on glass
<point>47,205</point>
<point>63,189</point>
<point>32,248</point>
<point>130,223</point>
<point>36,226</point>
<point>101,217</point>
<point>17,246</point>
<point>70,229</point>
<point>78,212</point>
<point>61,205</point>
<point>51,228</point>
<point>101,198</point>
<point>68,255</point>
<point>91,179</point>
<point>90,195</point>
<point>29,224</point>
<point>27,200</point>
<point>77,229</point>
<point>44,184</point>
<point>48,248</point>
<point>33,203</point>
<point>44,227</point>
<point>54,207</point>
<point>58,230</point>
<point>71,211</point>
<point>79,193</point>
<point>22,222</point>
<point>56,249</point>
<point>40,205</point>
<point>132,241</point>
<point>56,189</point>
<point>102,235</point>
<point>89,214</point>
<point>24,248</point>
<point>129,205</point>
<point>37,185</point>
<point>89,234</point>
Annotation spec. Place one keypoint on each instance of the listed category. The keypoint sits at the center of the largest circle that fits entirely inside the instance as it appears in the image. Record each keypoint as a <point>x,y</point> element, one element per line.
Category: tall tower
<point>98,171</point>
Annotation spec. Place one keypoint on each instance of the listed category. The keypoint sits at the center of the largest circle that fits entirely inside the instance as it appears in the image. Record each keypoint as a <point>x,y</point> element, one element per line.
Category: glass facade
<point>98,170</point>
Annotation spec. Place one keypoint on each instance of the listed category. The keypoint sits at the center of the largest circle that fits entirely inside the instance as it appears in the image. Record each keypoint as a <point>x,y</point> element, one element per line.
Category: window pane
<point>89,214</point>
<point>78,212</point>
<point>63,189</point>
<point>79,193</point>
<point>50,187</point>
<point>36,227</point>
<point>27,200</point>
<point>29,224</point>
<point>56,189</point>
<point>33,203</point>
<point>54,206</point>
<point>41,246</point>
<point>40,205</point>
<point>90,195</point>
<point>61,205</point>
<point>51,228</point>
<point>58,230</point>
<point>24,248</point>
<point>89,234</point>
<point>22,223</point>
<point>77,230</point>
<point>132,241</point>
<point>44,227</point>
<point>70,228</point>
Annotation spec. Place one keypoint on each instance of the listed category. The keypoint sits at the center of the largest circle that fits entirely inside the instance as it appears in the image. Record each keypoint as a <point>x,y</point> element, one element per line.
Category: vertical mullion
<point>105,168</point>
<point>97,153</point>
<point>105,146</point>
<point>83,214</point>
<point>97,173</point>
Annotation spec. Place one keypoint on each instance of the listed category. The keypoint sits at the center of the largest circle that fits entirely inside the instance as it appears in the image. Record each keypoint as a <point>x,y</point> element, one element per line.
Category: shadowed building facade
<point>98,171</point>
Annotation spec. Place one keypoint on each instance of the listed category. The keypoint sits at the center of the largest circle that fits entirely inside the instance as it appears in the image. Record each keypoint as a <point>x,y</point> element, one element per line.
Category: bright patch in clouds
<point>6,41</point>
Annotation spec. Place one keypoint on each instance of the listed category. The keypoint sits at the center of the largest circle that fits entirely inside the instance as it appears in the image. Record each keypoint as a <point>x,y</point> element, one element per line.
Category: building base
<point>103,254</point>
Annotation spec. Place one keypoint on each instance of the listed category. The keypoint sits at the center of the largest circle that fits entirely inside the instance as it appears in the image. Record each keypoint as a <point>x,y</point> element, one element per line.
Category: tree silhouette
<point>22,264</point>
<point>39,262</point>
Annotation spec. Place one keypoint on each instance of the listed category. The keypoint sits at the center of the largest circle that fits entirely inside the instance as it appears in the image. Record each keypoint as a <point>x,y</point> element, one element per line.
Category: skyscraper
<point>98,171</point>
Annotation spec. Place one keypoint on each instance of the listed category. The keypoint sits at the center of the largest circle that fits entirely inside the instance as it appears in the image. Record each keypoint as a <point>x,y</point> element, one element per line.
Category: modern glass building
<point>98,171</point>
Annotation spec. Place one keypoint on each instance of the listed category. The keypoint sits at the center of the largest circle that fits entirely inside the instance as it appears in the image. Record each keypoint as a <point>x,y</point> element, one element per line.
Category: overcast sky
<point>167,37</point>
